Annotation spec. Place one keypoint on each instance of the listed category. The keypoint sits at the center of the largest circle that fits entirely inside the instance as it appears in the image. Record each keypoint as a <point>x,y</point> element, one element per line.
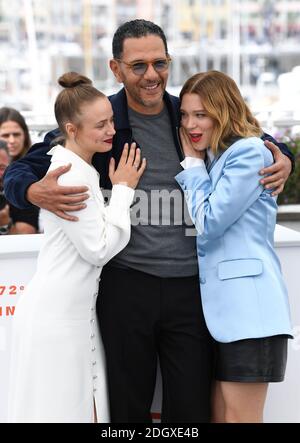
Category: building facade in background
<point>252,40</point>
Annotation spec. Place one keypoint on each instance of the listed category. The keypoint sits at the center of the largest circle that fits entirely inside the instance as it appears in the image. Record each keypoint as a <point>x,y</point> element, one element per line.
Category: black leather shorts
<point>252,360</point>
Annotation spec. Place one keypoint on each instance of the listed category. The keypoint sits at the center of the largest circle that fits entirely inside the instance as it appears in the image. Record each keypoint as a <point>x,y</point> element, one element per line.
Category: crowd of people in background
<point>14,144</point>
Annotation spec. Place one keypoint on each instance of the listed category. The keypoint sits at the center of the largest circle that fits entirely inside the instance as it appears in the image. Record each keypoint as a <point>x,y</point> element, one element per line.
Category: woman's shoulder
<point>80,173</point>
<point>59,157</point>
<point>249,151</point>
<point>244,142</point>
<point>252,146</point>
<point>74,177</point>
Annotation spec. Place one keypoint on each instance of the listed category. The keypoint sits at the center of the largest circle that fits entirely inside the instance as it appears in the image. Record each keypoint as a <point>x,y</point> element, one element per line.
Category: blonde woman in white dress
<point>58,362</point>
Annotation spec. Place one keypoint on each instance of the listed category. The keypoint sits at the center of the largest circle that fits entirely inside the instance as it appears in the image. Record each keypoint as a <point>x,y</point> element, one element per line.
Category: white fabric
<point>192,162</point>
<point>58,363</point>
<point>210,155</point>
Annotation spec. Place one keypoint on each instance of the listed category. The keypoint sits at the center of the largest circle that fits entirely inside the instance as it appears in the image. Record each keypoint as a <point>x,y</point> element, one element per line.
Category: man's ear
<point>115,68</point>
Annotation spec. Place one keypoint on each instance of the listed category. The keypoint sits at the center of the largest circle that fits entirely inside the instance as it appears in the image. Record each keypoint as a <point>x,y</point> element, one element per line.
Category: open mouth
<point>109,141</point>
<point>195,137</point>
<point>152,88</point>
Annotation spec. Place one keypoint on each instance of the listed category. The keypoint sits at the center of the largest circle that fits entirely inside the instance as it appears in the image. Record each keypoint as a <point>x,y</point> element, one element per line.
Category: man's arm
<point>29,169</point>
<point>25,183</point>
<point>280,171</point>
<point>24,221</point>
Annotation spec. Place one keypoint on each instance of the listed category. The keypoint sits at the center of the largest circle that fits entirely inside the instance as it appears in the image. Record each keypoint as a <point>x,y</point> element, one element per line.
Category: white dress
<point>58,363</point>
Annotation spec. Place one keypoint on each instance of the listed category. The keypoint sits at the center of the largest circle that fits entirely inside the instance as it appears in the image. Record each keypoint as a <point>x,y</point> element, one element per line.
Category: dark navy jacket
<point>34,165</point>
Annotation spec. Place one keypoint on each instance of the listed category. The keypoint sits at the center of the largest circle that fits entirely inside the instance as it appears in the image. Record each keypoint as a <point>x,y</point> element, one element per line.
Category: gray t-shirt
<point>161,243</point>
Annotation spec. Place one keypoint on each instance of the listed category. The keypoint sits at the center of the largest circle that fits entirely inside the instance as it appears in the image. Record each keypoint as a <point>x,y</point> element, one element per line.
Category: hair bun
<point>73,79</point>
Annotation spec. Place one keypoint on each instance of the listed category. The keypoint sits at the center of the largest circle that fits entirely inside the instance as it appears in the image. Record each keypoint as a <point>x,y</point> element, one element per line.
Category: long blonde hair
<point>224,103</point>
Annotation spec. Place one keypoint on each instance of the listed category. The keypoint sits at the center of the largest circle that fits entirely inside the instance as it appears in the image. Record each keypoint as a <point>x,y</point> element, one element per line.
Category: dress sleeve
<point>101,232</point>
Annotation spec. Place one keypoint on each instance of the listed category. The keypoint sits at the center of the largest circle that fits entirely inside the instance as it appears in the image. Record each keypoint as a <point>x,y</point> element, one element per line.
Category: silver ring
<point>135,166</point>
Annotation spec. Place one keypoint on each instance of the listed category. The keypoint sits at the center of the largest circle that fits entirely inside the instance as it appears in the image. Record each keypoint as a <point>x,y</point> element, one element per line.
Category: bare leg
<point>95,413</point>
<point>218,404</point>
<point>240,402</point>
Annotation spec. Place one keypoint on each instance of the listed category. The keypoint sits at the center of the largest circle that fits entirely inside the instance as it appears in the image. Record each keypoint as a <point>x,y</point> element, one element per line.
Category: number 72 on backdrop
<point>10,290</point>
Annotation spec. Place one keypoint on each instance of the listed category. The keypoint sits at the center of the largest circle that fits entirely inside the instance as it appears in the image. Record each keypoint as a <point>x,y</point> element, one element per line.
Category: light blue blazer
<point>242,289</point>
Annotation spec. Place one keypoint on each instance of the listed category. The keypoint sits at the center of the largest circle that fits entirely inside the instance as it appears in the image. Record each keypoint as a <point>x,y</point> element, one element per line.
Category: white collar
<point>61,153</point>
<point>210,155</point>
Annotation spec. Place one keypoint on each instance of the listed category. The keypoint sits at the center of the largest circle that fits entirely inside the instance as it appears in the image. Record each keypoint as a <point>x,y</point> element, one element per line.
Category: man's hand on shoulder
<point>47,194</point>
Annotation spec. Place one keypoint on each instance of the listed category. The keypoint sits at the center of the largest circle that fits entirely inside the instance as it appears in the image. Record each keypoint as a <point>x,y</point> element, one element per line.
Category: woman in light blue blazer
<point>244,297</point>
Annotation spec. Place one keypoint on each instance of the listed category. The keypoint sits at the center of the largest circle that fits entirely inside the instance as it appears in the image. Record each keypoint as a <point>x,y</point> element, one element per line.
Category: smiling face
<point>144,92</point>
<point>95,131</point>
<point>194,119</point>
<point>14,136</point>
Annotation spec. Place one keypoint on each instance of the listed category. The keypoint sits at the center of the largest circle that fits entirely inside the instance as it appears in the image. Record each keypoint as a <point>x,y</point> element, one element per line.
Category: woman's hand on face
<point>130,167</point>
<point>187,146</point>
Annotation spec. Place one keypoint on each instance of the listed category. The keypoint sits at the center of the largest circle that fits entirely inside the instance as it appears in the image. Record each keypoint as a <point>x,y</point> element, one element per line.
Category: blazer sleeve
<point>99,234</point>
<point>27,170</point>
<point>214,210</point>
